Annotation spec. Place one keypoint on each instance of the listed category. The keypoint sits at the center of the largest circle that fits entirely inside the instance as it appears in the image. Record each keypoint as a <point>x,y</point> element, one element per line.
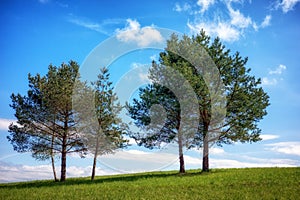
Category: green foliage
<point>246,100</point>
<point>248,183</point>
<point>45,118</point>
<point>100,124</point>
<point>213,73</point>
<point>104,132</point>
<point>142,115</point>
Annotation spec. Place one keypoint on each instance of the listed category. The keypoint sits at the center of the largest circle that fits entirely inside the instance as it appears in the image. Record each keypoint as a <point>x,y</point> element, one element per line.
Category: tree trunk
<point>180,151</point>
<point>95,159</point>
<point>205,161</point>
<point>94,167</point>
<point>63,160</point>
<point>181,162</point>
<point>52,160</point>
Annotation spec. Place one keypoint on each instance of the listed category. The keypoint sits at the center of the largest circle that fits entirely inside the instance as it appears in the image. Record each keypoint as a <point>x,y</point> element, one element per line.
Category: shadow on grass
<point>101,179</point>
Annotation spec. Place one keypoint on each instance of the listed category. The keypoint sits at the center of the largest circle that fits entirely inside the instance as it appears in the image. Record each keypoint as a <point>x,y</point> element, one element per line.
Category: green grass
<point>249,183</point>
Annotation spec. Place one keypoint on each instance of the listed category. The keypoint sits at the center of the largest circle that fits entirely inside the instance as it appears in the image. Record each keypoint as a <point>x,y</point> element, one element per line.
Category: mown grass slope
<point>248,183</point>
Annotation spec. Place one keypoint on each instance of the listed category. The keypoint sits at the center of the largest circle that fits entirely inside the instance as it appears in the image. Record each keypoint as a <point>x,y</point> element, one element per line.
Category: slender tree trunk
<point>94,167</point>
<point>180,150</point>
<point>181,161</point>
<point>63,160</point>
<point>95,159</point>
<point>205,160</point>
<point>52,159</point>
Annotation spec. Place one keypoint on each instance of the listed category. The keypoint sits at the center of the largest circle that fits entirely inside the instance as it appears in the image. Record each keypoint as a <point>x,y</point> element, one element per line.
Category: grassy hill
<point>249,183</point>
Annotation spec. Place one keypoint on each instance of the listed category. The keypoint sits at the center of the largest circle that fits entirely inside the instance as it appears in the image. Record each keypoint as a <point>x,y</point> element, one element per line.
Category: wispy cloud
<point>182,8</point>
<point>227,29</point>
<point>269,81</point>
<point>291,148</point>
<point>16,173</point>
<point>136,160</point>
<point>223,30</point>
<point>140,72</point>
<point>87,24</point>
<point>229,25</point>
<point>102,27</point>
<point>274,76</point>
<point>142,36</point>
<point>4,123</point>
<point>269,136</point>
<point>205,4</point>
<point>267,21</point>
<point>231,163</point>
<point>212,151</point>
<point>286,5</point>
<point>278,70</point>
<point>238,19</point>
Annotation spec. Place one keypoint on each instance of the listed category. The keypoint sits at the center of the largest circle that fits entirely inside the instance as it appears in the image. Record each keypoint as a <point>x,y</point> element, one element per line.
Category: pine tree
<point>45,118</point>
<point>104,132</point>
<point>230,100</point>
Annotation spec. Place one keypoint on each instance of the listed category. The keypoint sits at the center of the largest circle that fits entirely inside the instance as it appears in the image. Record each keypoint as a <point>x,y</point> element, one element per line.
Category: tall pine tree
<point>98,118</point>
<point>221,82</point>
<point>45,118</point>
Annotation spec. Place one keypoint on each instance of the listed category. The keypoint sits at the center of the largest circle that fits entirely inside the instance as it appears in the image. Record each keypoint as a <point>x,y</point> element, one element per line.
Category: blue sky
<point>36,33</point>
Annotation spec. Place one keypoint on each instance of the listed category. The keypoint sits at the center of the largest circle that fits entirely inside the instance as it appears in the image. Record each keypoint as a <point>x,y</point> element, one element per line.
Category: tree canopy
<point>102,128</point>
<point>201,94</point>
<point>221,82</point>
<point>45,118</point>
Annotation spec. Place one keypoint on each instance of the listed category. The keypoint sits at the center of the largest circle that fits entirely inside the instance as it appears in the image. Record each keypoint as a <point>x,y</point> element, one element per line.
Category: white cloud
<point>141,36</point>
<point>87,24</point>
<point>278,70</point>
<point>268,136</point>
<point>179,8</point>
<point>140,72</point>
<point>102,27</point>
<point>212,151</point>
<point>131,141</point>
<point>286,5</point>
<point>4,123</point>
<point>267,21</point>
<point>144,77</point>
<point>192,162</point>
<point>229,30</point>
<point>291,148</point>
<point>128,161</point>
<point>238,19</point>
<point>269,81</point>
<point>229,25</point>
<point>223,30</point>
<point>135,160</point>
<point>230,163</point>
<point>255,26</point>
<point>16,173</point>
<point>137,152</point>
<point>205,4</point>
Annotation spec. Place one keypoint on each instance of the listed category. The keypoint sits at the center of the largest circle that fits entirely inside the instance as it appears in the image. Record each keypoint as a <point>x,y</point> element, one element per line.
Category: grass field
<point>248,183</point>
